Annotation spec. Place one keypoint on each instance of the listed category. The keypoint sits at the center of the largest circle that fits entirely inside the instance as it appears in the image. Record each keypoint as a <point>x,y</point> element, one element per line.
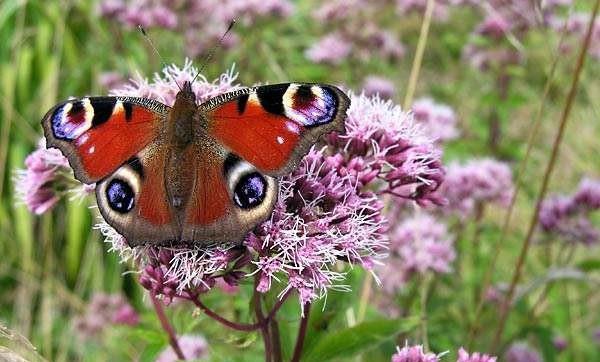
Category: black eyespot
<point>120,195</point>
<point>250,190</point>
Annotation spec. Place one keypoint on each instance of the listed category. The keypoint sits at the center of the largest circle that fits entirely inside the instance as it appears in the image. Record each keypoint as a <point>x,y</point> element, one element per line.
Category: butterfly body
<point>192,173</point>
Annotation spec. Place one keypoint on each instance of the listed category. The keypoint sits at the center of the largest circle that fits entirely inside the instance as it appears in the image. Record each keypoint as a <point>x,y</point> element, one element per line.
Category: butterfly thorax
<point>180,124</point>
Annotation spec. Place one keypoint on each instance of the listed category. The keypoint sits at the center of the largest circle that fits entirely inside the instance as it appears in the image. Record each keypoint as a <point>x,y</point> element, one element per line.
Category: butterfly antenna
<point>214,48</point>
<point>162,61</point>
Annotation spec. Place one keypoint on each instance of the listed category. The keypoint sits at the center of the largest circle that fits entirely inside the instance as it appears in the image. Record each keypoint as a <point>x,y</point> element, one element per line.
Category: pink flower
<point>374,85</point>
<point>560,343</point>
<point>356,35</point>
<point>414,354</point>
<point>477,181</point>
<point>203,22</point>
<point>522,352</point>
<point>387,146</point>
<point>44,180</point>
<point>332,49</point>
<point>569,217</point>
<point>494,26</point>
<point>440,10</point>
<point>417,245</point>
<point>464,356</point>
<point>102,311</point>
<point>193,347</point>
<point>439,120</point>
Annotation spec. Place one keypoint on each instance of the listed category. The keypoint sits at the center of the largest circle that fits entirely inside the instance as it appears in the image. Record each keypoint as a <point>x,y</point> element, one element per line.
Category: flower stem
<point>235,325</point>
<point>264,325</point>
<point>301,334</point>
<point>164,322</point>
<point>505,307</point>
<point>275,340</point>
<point>418,60</point>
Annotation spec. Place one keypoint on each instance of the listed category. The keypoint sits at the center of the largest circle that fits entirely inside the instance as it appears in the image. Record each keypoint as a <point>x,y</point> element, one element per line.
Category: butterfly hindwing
<point>273,126</point>
<point>98,134</point>
<point>229,197</point>
<point>134,198</point>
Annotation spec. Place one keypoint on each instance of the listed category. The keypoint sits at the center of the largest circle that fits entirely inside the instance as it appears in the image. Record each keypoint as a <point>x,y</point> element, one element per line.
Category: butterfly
<point>192,174</point>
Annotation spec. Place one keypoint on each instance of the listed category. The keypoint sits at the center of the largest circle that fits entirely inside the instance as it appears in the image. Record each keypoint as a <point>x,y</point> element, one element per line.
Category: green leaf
<point>350,341</point>
<point>589,265</point>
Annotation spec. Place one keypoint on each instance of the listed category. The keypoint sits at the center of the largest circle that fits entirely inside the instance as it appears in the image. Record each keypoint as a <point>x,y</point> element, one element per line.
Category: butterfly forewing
<point>98,134</point>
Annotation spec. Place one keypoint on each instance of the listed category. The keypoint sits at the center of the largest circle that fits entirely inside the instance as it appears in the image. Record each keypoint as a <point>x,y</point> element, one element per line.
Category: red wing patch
<point>153,205</point>
<point>272,126</point>
<point>99,134</point>
<point>210,199</point>
<point>264,139</point>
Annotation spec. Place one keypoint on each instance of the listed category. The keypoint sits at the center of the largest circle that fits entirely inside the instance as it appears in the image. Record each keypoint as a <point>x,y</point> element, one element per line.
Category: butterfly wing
<point>115,142</point>
<point>134,198</point>
<point>273,126</point>
<point>253,136</point>
<point>99,134</point>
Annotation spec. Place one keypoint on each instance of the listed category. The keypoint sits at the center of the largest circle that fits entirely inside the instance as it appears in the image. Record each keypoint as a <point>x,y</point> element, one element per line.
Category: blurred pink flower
<point>440,10</point>
<point>464,356</point>
<point>193,347</point>
<point>202,21</point>
<point>418,244</point>
<point>111,80</point>
<point>494,26</point>
<point>569,217</point>
<point>44,180</point>
<point>575,26</point>
<point>439,120</point>
<point>374,85</point>
<point>496,40</point>
<point>522,352</point>
<point>596,335</point>
<point>477,181</point>
<point>102,311</point>
<point>560,343</point>
<point>356,36</point>
<point>414,354</point>
<point>332,49</point>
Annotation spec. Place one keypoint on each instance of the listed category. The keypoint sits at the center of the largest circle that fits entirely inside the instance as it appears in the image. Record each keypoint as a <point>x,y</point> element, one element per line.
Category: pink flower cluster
<point>575,26</point>
<point>193,347</point>
<point>522,352</point>
<point>202,22</point>
<point>417,354</point>
<point>374,85</point>
<point>476,183</point>
<point>496,40</point>
<point>356,36</point>
<point>44,180</point>
<point>440,13</point>
<point>418,244</point>
<point>385,146</point>
<point>104,310</point>
<point>439,120</point>
<point>568,217</point>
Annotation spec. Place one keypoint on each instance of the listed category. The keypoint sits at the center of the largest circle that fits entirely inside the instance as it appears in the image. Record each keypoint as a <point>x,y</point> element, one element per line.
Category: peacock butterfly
<point>192,173</point>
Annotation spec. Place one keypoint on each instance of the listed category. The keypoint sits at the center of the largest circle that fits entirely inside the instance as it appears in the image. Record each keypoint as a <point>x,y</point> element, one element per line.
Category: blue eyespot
<point>120,196</point>
<point>250,190</point>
